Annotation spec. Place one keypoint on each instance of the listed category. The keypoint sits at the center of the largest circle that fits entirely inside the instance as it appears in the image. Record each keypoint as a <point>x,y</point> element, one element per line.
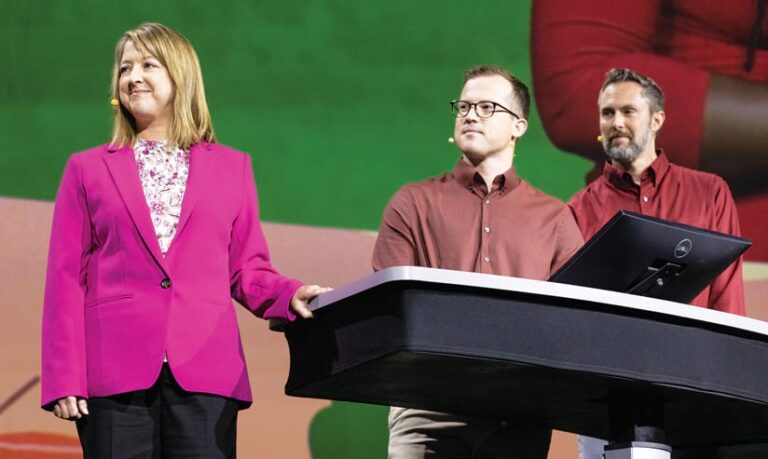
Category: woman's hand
<point>303,296</point>
<point>70,408</point>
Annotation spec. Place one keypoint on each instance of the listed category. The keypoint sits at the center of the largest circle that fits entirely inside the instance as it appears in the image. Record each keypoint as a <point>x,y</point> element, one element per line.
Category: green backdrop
<point>339,103</point>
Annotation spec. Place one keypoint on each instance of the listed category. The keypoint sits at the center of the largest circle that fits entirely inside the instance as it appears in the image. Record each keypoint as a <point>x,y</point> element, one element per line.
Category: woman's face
<point>146,91</point>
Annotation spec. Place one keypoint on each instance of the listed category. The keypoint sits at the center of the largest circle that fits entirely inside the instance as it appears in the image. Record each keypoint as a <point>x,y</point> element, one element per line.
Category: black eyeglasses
<point>483,109</point>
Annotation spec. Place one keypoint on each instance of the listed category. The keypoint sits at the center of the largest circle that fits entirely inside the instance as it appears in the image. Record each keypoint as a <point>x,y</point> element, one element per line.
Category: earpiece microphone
<point>451,140</point>
<point>600,138</point>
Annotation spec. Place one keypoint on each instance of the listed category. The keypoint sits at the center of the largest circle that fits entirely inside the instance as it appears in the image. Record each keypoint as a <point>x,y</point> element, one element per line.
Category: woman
<point>152,236</point>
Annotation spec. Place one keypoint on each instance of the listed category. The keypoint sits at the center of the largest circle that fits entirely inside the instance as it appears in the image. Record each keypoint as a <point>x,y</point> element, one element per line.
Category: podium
<point>588,361</point>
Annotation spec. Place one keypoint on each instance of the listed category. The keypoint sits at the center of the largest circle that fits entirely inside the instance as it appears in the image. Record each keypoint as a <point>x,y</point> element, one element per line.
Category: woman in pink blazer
<point>152,236</point>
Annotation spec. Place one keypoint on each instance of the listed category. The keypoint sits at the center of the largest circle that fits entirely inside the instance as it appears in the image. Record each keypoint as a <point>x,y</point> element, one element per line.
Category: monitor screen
<point>648,256</point>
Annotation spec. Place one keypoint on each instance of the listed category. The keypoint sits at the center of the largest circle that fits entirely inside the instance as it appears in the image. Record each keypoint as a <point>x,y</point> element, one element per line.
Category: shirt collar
<point>655,172</point>
<point>469,178</point>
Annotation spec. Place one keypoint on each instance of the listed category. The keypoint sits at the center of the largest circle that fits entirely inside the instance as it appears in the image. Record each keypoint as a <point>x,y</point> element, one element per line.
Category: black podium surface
<point>573,358</point>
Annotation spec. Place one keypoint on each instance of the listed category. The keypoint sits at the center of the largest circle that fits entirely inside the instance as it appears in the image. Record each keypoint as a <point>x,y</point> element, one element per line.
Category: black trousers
<point>164,421</point>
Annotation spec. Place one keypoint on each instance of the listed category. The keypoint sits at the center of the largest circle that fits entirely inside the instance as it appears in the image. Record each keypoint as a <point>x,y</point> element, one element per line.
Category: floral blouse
<point>163,173</point>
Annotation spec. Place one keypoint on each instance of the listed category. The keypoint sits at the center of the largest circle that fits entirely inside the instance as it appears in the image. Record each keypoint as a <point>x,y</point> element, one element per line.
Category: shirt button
<point>166,283</point>
<point>487,229</point>
<point>645,198</point>
<point>487,201</point>
<point>486,259</point>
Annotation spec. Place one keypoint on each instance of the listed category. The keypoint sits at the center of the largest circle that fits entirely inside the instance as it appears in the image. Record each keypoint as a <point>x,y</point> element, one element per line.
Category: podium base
<point>637,450</point>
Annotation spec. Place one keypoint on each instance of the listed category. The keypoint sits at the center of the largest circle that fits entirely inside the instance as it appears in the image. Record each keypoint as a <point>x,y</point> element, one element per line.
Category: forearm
<point>735,142</point>
<point>573,44</point>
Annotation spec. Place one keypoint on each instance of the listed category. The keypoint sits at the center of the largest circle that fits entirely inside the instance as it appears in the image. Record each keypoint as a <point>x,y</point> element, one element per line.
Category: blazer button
<point>166,283</point>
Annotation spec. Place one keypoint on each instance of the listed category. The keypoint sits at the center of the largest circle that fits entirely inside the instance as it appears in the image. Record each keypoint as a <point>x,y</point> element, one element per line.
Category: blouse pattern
<point>163,172</point>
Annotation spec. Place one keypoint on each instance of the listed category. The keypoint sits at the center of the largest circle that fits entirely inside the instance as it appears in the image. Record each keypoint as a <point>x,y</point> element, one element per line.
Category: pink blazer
<point>114,305</point>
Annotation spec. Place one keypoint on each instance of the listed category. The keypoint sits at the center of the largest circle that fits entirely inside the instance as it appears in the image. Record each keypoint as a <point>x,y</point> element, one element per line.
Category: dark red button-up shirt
<point>670,192</point>
<point>454,222</point>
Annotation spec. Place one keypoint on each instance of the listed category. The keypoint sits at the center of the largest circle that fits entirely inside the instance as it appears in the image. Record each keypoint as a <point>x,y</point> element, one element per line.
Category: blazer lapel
<point>122,168</point>
<point>201,162</point>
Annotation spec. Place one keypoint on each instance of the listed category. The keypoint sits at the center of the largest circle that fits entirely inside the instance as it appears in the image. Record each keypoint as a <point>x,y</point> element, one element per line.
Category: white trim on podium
<point>536,287</point>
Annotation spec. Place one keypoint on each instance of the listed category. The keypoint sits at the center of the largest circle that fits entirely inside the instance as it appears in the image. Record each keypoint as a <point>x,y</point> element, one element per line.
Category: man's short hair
<point>519,89</point>
<point>651,91</point>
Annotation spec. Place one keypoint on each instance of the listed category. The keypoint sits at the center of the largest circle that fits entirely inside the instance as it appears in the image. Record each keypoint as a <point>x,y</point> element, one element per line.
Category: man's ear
<point>657,120</point>
<point>519,128</point>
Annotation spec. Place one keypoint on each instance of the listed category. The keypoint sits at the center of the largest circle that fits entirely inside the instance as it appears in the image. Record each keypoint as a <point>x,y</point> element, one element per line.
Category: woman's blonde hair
<point>191,121</point>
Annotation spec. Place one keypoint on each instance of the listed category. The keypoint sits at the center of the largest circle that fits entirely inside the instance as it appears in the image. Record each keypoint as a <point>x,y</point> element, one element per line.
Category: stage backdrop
<point>339,103</point>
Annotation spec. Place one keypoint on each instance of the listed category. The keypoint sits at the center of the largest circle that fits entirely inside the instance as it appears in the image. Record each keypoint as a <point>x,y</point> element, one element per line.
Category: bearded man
<point>639,178</point>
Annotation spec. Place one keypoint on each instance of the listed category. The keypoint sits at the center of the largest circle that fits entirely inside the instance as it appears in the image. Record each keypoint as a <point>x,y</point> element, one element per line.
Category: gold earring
<point>114,103</point>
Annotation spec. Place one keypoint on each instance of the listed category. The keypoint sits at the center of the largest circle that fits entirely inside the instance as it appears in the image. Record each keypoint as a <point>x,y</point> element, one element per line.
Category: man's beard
<point>626,154</point>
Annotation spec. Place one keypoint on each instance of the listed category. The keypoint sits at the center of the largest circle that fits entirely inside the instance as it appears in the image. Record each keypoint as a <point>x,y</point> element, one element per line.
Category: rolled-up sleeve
<point>573,45</point>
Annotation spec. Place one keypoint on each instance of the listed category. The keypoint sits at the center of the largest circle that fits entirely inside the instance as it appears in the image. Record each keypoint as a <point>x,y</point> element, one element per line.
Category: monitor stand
<point>656,276</point>
<point>635,431</point>
<point>637,450</point>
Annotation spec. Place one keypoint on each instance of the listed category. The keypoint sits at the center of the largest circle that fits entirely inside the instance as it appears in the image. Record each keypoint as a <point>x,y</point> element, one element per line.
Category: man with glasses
<point>639,177</point>
<point>480,217</point>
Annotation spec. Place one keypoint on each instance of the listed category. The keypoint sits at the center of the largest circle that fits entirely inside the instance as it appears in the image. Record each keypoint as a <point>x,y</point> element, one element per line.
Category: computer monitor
<point>648,256</point>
